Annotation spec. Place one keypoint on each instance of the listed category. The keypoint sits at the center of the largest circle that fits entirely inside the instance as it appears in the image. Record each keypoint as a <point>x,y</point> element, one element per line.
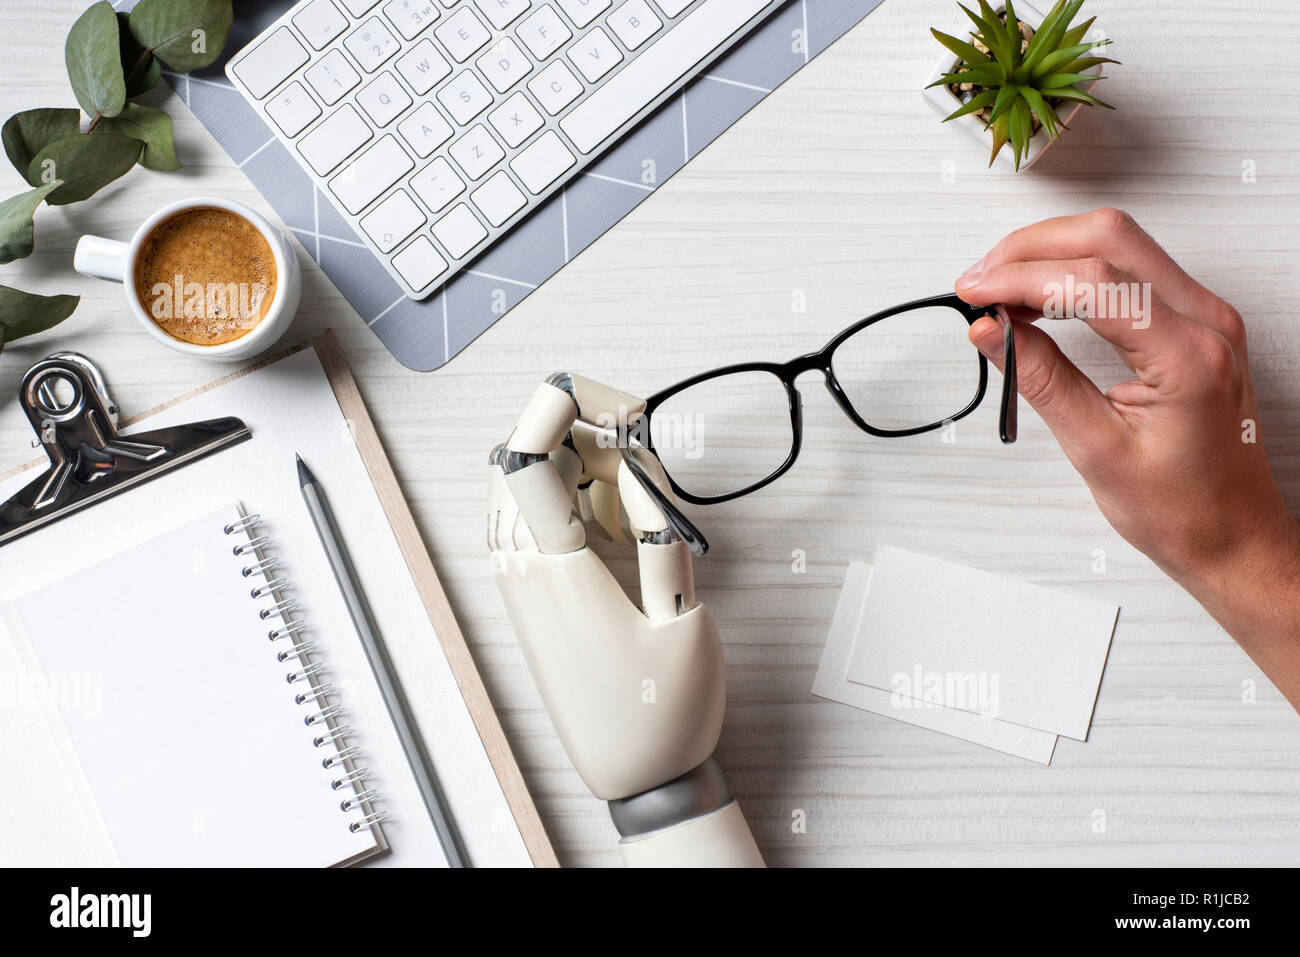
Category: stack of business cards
<point>967,653</point>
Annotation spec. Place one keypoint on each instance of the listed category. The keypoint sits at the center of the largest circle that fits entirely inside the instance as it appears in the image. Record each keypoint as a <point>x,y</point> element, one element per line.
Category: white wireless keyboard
<point>434,126</point>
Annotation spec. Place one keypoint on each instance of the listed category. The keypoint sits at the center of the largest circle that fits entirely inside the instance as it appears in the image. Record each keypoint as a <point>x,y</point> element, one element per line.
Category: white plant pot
<point>943,101</point>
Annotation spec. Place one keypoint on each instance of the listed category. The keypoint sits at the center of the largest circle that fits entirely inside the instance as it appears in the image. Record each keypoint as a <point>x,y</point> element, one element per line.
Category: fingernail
<point>989,340</point>
<point>972,275</point>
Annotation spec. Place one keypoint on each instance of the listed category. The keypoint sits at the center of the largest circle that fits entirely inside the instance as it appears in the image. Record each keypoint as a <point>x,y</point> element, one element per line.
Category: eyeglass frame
<point>821,361</point>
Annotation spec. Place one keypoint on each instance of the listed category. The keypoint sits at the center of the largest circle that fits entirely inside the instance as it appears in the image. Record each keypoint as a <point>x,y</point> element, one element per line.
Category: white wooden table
<point>843,192</point>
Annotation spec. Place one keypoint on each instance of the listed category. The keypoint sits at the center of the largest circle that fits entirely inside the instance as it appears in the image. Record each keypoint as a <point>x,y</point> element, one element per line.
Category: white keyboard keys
<point>392,221</point>
<point>544,32</point>
<point>383,99</point>
<point>673,7</point>
<point>504,65</point>
<point>516,120</point>
<point>541,164</point>
<point>595,55</point>
<point>358,7</point>
<point>634,23</point>
<point>293,109</point>
<point>335,139</point>
<point>419,263</point>
<point>320,22</point>
<point>663,64</point>
<point>582,12</point>
<point>425,130</point>
<point>465,97</point>
<point>366,178</point>
<point>423,66</point>
<point>437,185</point>
<point>332,77</point>
<point>476,152</point>
<point>498,198</point>
<point>502,13</point>
<point>372,44</point>
<point>410,16</point>
<point>271,62</point>
<point>459,231</point>
<point>555,87</point>
<point>463,34</point>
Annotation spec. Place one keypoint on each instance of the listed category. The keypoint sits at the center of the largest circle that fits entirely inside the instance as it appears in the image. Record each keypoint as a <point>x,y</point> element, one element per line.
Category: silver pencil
<point>412,746</point>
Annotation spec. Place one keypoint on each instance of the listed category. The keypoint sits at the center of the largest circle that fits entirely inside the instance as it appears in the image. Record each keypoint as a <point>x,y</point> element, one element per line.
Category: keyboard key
<point>383,99</point>
<point>410,16</point>
<point>423,66</point>
<point>392,221</point>
<point>673,7</point>
<point>459,231</point>
<point>544,32</point>
<point>634,23</point>
<point>595,55</point>
<point>476,152</point>
<point>271,62</point>
<point>463,34</point>
<point>437,184</point>
<point>541,164</point>
<point>419,263</point>
<point>661,66</point>
<point>498,198</point>
<point>582,12</point>
<point>516,120</point>
<point>372,44</point>
<point>367,176</point>
<point>320,22</point>
<point>335,139</point>
<point>504,65</point>
<point>502,13</point>
<point>332,77</point>
<point>425,130</point>
<point>555,87</point>
<point>358,7</point>
<point>465,97</point>
<point>292,108</point>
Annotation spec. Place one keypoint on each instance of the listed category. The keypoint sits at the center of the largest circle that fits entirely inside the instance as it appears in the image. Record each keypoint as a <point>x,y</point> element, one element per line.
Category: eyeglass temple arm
<point>1007,414</point>
<point>678,522</point>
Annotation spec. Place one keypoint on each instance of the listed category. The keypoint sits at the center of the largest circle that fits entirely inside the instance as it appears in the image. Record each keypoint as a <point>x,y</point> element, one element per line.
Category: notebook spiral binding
<point>306,673</point>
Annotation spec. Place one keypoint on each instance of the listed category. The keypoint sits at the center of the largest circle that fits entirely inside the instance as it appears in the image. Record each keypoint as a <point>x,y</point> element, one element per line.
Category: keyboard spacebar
<point>639,83</point>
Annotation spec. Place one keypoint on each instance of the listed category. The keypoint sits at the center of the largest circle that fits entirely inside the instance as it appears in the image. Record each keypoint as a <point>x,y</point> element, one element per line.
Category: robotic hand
<point>636,694</point>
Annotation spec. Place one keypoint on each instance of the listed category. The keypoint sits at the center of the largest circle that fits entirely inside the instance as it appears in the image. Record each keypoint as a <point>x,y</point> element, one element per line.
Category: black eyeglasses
<point>903,371</point>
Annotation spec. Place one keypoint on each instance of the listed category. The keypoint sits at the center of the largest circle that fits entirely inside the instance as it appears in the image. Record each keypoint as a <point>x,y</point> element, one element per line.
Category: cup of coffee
<point>205,276</point>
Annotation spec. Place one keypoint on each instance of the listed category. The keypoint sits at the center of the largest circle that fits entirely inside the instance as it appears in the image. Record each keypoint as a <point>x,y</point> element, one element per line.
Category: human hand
<point>1173,457</point>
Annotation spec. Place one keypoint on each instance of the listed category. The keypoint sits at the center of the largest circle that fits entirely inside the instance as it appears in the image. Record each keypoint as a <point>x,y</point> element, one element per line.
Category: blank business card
<point>980,643</point>
<point>831,683</point>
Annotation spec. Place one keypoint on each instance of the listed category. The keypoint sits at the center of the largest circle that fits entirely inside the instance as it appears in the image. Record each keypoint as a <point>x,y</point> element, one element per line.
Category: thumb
<point>1081,418</point>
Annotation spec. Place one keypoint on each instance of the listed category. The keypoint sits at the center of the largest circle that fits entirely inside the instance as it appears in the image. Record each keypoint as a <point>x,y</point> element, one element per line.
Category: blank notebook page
<point>194,752</point>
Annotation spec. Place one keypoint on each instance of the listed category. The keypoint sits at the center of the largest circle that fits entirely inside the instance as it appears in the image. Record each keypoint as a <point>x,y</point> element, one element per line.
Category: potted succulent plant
<point>1018,79</point>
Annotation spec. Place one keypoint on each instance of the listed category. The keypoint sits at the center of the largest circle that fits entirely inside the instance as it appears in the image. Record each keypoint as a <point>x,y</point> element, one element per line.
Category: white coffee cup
<point>115,261</point>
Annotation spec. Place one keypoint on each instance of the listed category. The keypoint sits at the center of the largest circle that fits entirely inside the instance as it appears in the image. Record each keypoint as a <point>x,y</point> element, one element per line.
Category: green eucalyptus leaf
<point>27,133</point>
<point>93,57</point>
<point>151,127</point>
<point>185,34</point>
<point>17,231</point>
<point>25,313</point>
<point>140,68</point>
<point>85,163</point>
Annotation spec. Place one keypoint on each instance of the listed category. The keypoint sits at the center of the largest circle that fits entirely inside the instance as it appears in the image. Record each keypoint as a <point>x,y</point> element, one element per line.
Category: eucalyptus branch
<point>111,58</point>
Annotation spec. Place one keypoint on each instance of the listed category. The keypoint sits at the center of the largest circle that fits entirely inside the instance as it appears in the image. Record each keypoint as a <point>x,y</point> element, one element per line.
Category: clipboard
<point>416,558</point>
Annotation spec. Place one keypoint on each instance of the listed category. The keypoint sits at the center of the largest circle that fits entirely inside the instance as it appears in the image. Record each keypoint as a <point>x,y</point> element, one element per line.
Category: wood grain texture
<point>843,193</point>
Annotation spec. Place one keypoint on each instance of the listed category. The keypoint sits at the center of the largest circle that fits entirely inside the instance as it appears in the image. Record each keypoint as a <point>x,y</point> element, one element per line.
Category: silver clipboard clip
<point>69,408</point>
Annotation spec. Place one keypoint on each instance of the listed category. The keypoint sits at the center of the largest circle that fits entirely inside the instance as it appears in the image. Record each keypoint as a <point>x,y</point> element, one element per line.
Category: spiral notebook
<point>164,728</point>
<point>152,668</point>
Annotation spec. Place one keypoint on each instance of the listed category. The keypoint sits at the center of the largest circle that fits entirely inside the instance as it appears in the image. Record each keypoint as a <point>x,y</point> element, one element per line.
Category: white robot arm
<point>636,694</point>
